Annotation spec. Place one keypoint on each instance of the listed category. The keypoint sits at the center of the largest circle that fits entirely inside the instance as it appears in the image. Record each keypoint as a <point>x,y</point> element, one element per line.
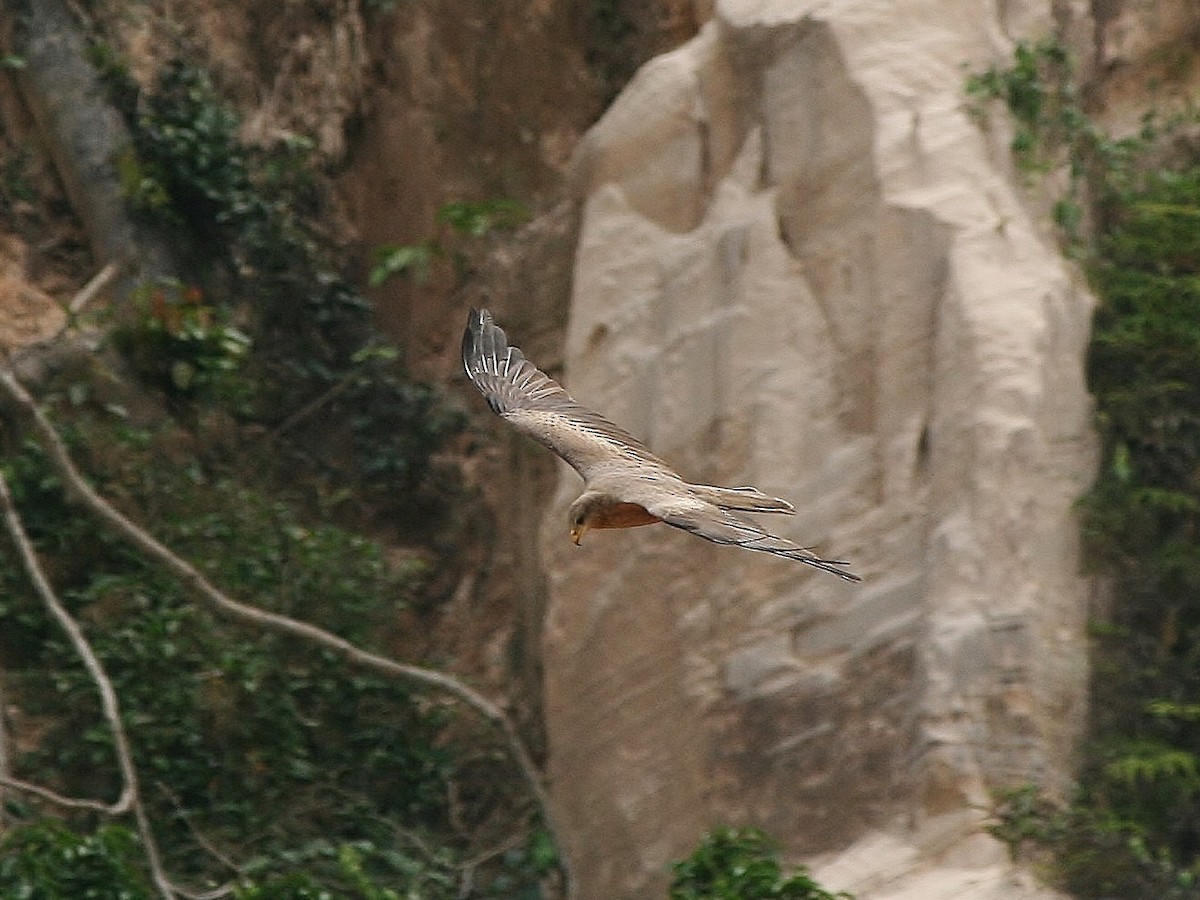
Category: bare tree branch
<point>215,894</point>
<point>28,787</point>
<point>313,406</point>
<point>78,490</point>
<point>95,285</point>
<point>205,844</point>
<point>130,798</point>
<point>5,770</point>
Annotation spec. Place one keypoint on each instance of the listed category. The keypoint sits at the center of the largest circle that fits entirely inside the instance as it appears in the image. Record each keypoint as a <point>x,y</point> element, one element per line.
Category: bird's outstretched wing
<point>536,405</point>
<point>723,527</point>
<point>604,454</point>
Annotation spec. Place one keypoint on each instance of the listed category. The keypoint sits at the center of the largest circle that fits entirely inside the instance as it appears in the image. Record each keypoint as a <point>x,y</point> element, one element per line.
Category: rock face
<point>803,266</point>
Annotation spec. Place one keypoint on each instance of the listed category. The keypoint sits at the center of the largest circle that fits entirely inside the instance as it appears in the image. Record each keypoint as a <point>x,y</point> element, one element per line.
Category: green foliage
<point>189,145</point>
<point>470,219</point>
<point>1143,359</point>
<point>741,864</point>
<point>1140,765</point>
<point>15,186</point>
<point>1039,92</point>
<point>280,756</point>
<point>400,259</point>
<point>1051,129</point>
<point>48,861</point>
<point>363,871</point>
<point>481,217</point>
<point>1087,849</point>
<point>312,778</point>
<point>397,425</point>
<point>184,344</point>
<point>1140,521</point>
<point>1023,817</point>
<point>244,207</point>
<point>1049,125</point>
<point>302,329</point>
<point>1168,709</point>
<point>294,886</point>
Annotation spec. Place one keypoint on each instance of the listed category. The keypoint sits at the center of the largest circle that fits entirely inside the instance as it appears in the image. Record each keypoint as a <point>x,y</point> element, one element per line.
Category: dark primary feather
<point>507,380</point>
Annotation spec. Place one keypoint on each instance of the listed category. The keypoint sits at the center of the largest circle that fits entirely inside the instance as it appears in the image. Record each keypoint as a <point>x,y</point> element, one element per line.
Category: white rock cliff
<point>803,266</point>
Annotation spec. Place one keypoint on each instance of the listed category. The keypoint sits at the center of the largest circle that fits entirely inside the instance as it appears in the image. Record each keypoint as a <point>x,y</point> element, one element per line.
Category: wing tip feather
<point>479,336</point>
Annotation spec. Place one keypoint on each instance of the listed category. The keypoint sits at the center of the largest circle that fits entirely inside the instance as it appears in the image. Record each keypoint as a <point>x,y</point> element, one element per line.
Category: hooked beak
<point>577,533</point>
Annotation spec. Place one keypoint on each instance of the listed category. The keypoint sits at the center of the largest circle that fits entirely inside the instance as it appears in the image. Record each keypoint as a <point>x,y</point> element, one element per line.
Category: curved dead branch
<point>130,798</point>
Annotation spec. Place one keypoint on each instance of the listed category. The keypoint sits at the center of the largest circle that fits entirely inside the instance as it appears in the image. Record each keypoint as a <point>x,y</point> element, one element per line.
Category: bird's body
<point>625,485</point>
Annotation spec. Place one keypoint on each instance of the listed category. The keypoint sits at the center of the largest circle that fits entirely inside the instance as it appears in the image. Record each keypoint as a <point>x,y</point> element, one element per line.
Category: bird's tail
<point>747,499</point>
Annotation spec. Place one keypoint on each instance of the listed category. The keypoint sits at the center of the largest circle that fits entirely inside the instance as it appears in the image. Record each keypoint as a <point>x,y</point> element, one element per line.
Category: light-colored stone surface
<point>883,867</point>
<point>28,315</point>
<point>802,266</point>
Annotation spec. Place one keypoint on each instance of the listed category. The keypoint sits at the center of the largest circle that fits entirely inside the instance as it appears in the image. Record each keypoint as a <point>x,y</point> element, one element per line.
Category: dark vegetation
<point>260,269</point>
<point>621,35</point>
<point>270,424</point>
<point>741,864</point>
<point>1133,829</point>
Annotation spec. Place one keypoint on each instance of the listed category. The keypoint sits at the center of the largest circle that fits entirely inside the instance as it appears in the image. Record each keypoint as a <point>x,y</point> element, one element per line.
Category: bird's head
<point>583,510</point>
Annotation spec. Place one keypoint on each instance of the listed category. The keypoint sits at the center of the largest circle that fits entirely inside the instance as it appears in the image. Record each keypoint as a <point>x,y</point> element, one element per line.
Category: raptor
<point>624,484</point>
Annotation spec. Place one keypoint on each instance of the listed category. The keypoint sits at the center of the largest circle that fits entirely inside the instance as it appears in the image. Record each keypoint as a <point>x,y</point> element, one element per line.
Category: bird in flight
<point>624,484</point>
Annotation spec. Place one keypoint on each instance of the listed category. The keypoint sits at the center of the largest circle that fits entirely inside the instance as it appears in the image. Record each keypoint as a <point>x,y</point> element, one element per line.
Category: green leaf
<point>478,218</point>
<point>394,260</point>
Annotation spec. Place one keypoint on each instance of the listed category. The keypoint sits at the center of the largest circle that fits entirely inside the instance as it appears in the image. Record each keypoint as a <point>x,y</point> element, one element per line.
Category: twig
<point>130,798</point>
<point>27,787</point>
<point>468,867</point>
<point>98,282</point>
<point>215,894</point>
<point>484,855</point>
<point>205,844</point>
<point>5,773</point>
<point>339,387</point>
<point>78,490</point>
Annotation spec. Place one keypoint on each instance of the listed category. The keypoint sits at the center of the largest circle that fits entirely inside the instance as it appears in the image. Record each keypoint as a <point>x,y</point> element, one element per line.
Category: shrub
<point>48,861</point>
<point>741,864</point>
